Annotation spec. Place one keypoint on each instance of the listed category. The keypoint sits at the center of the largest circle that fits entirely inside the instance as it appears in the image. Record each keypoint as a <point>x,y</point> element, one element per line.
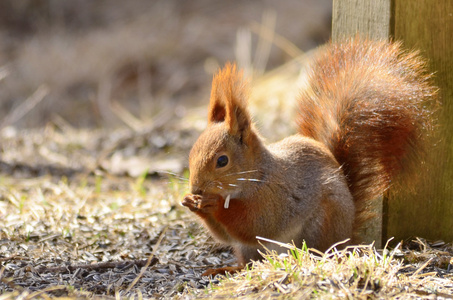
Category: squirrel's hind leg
<point>222,271</point>
<point>244,254</point>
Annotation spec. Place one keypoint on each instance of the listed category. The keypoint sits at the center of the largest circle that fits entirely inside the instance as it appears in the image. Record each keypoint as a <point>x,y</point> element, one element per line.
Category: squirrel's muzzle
<point>195,190</point>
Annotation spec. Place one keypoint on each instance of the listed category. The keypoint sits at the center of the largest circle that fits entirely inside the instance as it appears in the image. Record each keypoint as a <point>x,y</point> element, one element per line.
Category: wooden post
<point>370,18</point>
<point>428,26</point>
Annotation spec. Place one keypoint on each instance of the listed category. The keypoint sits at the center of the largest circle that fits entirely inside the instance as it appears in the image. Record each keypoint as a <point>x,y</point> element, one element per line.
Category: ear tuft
<point>229,100</point>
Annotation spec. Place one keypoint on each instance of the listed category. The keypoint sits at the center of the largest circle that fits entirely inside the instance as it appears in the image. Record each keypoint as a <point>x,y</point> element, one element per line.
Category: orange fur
<point>229,92</point>
<point>362,121</point>
<point>370,115</point>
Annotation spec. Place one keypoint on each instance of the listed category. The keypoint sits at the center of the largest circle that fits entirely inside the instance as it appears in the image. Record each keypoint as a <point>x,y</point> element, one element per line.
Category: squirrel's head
<point>226,154</point>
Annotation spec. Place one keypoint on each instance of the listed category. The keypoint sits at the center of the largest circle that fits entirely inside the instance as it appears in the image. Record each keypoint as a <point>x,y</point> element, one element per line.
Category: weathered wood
<point>428,26</point>
<point>363,17</point>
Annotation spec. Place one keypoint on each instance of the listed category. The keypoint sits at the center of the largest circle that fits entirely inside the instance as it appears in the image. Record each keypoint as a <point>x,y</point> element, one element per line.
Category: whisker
<point>250,179</point>
<point>174,174</point>
<point>233,185</point>
<point>215,183</point>
<point>180,179</point>
<point>243,172</point>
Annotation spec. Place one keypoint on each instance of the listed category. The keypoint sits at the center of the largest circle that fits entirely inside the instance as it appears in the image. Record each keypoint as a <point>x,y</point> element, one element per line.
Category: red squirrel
<point>361,124</point>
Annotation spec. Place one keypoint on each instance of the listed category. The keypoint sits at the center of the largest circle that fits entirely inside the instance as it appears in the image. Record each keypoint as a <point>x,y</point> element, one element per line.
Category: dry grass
<point>71,226</point>
<point>88,237</point>
<point>93,237</point>
<point>359,272</point>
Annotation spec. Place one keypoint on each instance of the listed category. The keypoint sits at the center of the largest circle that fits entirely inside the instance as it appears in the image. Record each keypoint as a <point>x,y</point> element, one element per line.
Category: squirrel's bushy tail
<point>369,103</point>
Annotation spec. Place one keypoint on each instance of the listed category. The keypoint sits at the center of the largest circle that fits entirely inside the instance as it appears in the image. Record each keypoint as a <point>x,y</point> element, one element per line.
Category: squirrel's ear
<point>217,111</point>
<point>229,101</point>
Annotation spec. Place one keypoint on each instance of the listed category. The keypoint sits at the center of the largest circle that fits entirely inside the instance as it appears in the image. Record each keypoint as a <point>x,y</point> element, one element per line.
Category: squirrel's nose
<point>195,190</point>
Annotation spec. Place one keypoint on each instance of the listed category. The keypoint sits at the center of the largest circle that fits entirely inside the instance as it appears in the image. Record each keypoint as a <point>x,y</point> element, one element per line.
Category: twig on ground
<point>150,259</point>
<point>422,267</point>
<point>103,265</point>
<point>14,256</point>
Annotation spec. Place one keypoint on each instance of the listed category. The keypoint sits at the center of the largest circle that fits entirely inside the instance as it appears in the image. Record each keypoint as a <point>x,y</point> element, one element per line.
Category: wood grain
<point>428,26</point>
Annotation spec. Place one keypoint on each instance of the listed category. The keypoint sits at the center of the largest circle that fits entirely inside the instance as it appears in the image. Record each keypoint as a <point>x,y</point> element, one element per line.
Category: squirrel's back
<point>368,102</point>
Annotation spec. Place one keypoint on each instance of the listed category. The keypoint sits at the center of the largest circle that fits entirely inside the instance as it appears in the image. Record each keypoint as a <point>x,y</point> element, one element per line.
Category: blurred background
<point>122,87</point>
<point>122,63</point>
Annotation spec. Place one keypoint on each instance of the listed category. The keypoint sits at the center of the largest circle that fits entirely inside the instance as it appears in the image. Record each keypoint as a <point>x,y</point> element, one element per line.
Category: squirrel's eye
<point>222,161</point>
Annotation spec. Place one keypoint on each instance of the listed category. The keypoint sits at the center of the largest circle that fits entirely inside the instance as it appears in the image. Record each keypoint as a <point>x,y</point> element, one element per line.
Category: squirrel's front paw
<point>191,201</point>
<point>205,203</point>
